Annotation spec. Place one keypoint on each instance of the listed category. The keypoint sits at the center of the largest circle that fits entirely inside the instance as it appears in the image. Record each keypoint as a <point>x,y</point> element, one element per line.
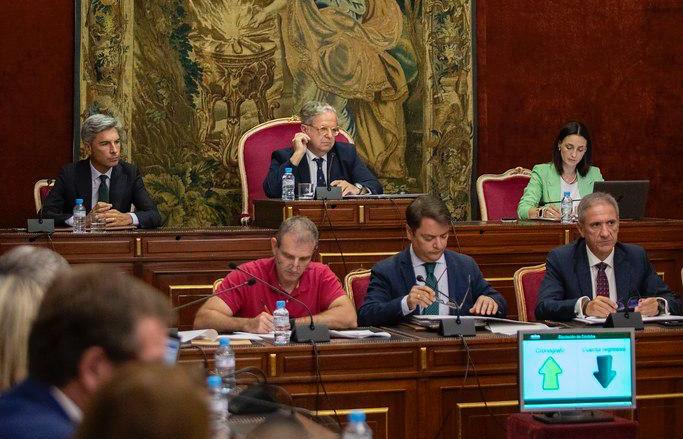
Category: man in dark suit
<point>395,293</point>
<point>91,320</point>
<point>596,275</point>
<point>107,184</point>
<point>314,154</point>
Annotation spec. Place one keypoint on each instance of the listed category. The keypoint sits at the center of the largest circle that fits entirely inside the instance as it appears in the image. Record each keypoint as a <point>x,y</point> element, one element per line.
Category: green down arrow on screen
<point>550,371</point>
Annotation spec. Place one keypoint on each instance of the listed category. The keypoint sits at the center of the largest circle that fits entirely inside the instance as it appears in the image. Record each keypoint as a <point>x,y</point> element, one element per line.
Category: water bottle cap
<point>288,170</point>
<point>280,304</point>
<point>566,194</point>
<point>79,200</point>
<point>224,342</point>
<point>357,416</point>
<point>214,381</point>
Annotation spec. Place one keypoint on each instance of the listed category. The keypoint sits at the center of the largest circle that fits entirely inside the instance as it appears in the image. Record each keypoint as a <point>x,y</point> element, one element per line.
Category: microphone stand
<point>300,333</point>
<point>41,224</point>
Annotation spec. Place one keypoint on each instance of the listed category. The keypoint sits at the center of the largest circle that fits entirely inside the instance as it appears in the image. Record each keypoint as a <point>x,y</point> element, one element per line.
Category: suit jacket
<point>346,165</point>
<point>545,186</point>
<point>29,411</point>
<point>125,188</point>
<point>568,277</point>
<point>392,279</point>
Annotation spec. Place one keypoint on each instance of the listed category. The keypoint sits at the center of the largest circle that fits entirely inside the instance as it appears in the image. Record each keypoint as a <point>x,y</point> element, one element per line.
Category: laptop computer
<point>631,196</point>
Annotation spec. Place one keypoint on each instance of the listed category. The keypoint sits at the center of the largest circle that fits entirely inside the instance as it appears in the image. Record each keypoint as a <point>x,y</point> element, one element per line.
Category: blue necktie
<point>320,174</point>
<point>430,281</point>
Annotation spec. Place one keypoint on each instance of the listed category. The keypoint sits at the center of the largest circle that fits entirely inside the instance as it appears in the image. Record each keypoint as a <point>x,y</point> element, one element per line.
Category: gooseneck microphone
<point>450,327</point>
<point>329,171</point>
<point>249,282</point>
<point>300,333</point>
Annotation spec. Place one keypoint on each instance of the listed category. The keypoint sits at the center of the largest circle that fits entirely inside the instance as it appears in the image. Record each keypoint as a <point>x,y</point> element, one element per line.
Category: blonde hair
<point>20,298</point>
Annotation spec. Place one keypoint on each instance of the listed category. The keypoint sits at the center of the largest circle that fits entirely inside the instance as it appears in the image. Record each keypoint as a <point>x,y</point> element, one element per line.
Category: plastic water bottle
<point>79,217</point>
<point>357,428</point>
<point>224,359</point>
<point>288,185</point>
<point>218,408</point>
<point>281,324</point>
<point>566,208</point>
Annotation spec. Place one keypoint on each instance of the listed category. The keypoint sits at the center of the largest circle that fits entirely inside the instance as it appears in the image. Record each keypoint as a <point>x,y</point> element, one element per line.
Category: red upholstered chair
<point>356,284</point>
<point>254,150</point>
<point>499,194</point>
<point>40,191</point>
<point>527,283</point>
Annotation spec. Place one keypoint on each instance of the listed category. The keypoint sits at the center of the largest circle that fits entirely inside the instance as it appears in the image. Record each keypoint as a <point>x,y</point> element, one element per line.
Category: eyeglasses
<point>326,130</point>
<point>630,305</point>
<point>570,148</point>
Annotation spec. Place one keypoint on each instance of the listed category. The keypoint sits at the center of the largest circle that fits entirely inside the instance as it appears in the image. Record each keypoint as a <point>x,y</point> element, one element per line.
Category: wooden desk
<point>416,381</point>
<point>183,263</point>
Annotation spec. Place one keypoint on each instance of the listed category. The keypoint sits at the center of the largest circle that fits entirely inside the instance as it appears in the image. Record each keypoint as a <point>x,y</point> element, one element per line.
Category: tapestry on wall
<point>188,77</point>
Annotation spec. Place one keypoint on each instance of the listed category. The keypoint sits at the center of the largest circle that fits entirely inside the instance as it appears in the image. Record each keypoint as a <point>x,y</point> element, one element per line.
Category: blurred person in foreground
<point>39,264</point>
<point>147,401</point>
<point>90,321</point>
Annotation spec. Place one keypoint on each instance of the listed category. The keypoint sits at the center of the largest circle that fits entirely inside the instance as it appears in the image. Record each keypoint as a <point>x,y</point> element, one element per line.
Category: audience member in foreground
<point>107,184</point>
<point>570,171</point>
<point>39,264</point>
<point>19,301</point>
<point>314,152</point>
<point>25,273</point>
<point>596,275</point>
<point>91,321</point>
<point>147,401</point>
<point>249,308</point>
<point>395,293</point>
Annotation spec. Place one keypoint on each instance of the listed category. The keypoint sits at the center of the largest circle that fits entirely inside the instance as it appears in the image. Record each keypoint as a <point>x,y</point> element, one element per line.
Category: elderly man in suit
<point>425,276</point>
<point>316,157</point>
<point>107,184</point>
<point>597,275</point>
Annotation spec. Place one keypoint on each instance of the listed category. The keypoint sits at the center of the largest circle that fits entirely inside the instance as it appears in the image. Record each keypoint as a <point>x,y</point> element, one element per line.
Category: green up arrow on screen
<point>550,371</point>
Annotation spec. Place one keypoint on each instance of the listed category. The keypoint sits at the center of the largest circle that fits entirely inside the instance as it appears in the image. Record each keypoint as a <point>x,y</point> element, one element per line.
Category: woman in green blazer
<point>571,163</point>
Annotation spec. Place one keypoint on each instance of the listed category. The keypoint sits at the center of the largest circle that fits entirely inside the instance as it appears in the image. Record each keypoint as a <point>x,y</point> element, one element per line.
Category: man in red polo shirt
<point>249,308</point>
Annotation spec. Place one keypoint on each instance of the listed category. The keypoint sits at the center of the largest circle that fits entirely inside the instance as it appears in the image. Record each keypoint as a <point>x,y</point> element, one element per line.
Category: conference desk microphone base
<point>457,327</point>
<point>624,320</point>
<point>305,334</point>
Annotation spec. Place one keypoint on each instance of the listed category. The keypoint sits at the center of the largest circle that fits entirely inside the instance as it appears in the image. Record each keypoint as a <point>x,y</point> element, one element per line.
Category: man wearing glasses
<point>596,275</point>
<point>425,278</point>
<point>316,157</point>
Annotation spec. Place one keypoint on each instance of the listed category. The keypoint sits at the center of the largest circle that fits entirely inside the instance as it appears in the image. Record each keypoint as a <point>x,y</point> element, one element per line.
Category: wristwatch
<point>360,188</point>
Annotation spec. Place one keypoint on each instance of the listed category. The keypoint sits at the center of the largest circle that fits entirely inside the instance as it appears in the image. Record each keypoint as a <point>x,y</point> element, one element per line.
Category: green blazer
<point>544,187</point>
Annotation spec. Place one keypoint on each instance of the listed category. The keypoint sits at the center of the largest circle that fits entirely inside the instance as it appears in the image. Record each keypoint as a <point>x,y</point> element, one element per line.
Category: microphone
<point>329,171</point>
<point>41,224</point>
<point>300,333</point>
<point>249,282</point>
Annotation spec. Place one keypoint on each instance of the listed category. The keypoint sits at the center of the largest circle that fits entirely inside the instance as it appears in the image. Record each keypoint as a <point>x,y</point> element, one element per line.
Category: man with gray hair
<point>107,185</point>
<point>239,306</point>
<point>39,264</point>
<point>596,275</point>
<point>315,156</point>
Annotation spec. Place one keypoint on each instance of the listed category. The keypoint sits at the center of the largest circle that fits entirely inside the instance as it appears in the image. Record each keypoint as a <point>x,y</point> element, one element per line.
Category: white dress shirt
<point>74,412</point>
<point>313,167</point>
<point>441,277</point>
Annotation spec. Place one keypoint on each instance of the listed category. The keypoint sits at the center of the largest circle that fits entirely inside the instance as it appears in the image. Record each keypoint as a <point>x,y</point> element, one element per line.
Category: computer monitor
<point>631,196</point>
<point>576,370</point>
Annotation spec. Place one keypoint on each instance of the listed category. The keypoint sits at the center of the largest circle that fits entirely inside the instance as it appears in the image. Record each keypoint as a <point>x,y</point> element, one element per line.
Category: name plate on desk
<point>345,213</point>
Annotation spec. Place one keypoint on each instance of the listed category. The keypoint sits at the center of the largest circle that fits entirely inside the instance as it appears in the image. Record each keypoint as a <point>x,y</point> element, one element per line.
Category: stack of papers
<point>601,320</point>
<point>359,333</point>
<point>496,325</point>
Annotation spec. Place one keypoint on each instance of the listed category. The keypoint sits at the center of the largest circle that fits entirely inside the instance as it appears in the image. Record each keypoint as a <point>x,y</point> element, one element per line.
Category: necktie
<point>103,191</point>
<point>320,174</point>
<point>430,281</point>
<point>601,284</point>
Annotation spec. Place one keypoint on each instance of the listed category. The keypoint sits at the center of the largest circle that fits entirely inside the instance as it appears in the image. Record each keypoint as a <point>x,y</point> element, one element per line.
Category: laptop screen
<point>582,369</point>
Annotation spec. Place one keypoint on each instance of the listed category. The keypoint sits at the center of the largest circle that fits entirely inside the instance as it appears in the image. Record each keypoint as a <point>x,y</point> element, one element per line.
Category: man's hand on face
<point>261,324</point>
<point>299,143</point>
<point>601,306</point>
<point>346,187</point>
